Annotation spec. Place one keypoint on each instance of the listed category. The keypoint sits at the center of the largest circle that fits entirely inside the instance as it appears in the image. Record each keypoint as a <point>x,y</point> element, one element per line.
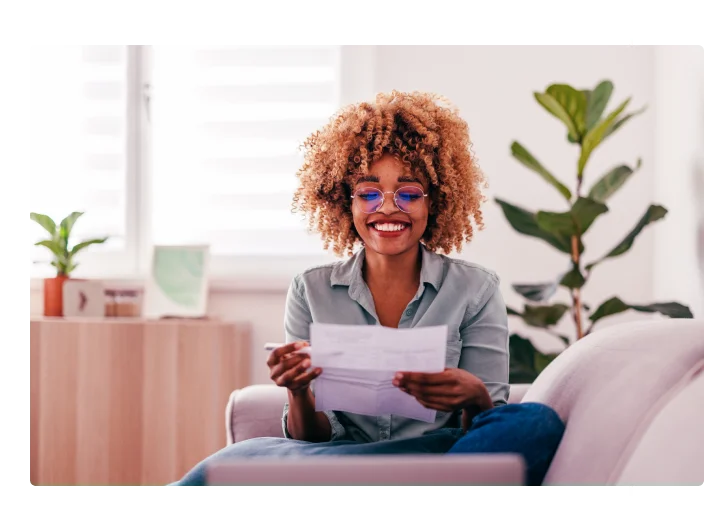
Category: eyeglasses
<point>407,199</point>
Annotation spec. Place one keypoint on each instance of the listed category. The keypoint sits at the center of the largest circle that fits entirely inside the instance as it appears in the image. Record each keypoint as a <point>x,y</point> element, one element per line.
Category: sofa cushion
<point>255,412</point>
<point>609,387</point>
<point>664,455</point>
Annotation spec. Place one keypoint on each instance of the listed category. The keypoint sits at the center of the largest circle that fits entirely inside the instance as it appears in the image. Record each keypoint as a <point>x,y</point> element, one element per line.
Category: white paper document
<point>360,362</point>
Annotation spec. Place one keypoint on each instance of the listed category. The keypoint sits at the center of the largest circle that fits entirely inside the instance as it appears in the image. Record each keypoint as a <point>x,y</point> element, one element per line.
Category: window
<point>79,145</point>
<point>178,145</point>
<point>227,124</point>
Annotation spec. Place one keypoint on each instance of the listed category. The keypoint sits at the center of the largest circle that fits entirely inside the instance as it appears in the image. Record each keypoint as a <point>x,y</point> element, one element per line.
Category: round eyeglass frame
<point>383,197</point>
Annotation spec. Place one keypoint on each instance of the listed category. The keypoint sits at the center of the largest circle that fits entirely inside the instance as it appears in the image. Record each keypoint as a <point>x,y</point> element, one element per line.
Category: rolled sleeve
<point>485,346</point>
<point>297,322</point>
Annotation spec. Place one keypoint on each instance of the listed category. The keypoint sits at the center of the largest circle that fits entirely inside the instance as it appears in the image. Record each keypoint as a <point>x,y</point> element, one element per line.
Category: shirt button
<point>409,312</point>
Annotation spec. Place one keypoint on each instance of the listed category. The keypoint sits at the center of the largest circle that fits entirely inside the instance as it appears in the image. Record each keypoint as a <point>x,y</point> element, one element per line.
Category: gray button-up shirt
<point>456,293</point>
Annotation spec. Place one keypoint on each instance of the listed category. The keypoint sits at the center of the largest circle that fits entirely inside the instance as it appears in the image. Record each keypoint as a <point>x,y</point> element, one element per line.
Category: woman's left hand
<point>445,391</point>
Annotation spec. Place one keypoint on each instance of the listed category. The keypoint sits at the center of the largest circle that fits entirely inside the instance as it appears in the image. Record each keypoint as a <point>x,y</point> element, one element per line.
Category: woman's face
<point>389,230</point>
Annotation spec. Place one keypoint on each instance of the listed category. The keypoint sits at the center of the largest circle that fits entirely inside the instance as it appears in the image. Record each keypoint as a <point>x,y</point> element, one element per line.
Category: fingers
<point>286,363</point>
<point>297,378</point>
<point>304,379</point>
<point>420,384</point>
<point>287,376</point>
<point>439,391</point>
<point>280,352</point>
<point>449,389</point>
<point>435,378</point>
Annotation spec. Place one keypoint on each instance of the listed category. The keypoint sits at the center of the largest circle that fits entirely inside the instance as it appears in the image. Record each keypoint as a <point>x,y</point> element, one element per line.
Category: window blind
<point>78,141</point>
<point>227,123</point>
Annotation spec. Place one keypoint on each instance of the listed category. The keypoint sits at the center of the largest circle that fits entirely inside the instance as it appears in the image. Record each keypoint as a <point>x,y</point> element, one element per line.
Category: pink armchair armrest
<point>255,411</point>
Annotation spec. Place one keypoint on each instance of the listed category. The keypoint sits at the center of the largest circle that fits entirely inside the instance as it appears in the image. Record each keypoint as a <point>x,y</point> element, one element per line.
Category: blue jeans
<point>532,430</point>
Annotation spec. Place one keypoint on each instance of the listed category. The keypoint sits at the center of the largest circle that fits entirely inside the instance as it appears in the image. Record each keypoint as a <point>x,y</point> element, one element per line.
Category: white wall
<point>493,88</point>
<point>679,182</point>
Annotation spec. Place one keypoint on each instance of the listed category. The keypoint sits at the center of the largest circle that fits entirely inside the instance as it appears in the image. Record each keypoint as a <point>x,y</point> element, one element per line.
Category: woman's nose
<point>389,206</point>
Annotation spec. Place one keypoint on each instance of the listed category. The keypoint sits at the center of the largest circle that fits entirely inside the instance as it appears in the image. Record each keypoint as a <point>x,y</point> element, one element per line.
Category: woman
<point>399,177</point>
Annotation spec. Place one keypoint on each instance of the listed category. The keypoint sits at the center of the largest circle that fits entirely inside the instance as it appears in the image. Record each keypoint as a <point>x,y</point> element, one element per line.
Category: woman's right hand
<point>288,366</point>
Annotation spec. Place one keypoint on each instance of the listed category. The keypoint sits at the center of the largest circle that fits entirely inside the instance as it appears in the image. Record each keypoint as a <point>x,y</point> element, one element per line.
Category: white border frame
<point>153,292</point>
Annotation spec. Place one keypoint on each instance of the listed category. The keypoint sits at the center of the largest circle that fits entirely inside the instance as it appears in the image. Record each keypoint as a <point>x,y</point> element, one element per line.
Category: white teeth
<point>389,227</point>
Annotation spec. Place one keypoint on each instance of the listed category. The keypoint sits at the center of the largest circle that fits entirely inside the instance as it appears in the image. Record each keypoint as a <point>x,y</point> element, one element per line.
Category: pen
<point>270,347</point>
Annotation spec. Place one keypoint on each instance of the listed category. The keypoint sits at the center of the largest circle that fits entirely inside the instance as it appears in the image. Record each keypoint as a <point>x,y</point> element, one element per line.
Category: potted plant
<point>581,111</point>
<point>63,257</point>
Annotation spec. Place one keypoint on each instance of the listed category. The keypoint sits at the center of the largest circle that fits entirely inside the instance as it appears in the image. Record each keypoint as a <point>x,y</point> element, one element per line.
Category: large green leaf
<point>595,136</point>
<point>67,225</point>
<point>611,182</point>
<point>525,223</point>
<point>521,360</point>
<point>52,245</point>
<point>653,214</point>
<point>574,102</point>
<point>614,305</point>
<point>61,258</point>
<point>44,221</point>
<point>541,316</point>
<point>573,278</point>
<point>597,101</point>
<point>544,316</point>
<point>542,291</point>
<point>674,310</point>
<point>585,211</point>
<point>574,222</point>
<point>555,108</point>
<point>526,158</point>
<point>560,224</point>
<point>525,361</point>
<point>570,137</point>
<point>86,243</point>
<point>618,124</point>
<point>536,292</point>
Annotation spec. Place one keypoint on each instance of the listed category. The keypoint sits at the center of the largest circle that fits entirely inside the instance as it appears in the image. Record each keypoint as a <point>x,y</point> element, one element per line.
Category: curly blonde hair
<point>424,132</point>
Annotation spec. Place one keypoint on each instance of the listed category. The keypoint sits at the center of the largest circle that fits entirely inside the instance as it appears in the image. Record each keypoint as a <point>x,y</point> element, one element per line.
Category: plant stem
<point>579,185</point>
<point>576,293</point>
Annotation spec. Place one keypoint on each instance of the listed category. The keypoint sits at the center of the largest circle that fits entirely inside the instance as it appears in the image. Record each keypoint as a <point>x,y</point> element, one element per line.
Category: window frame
<point>355,70</point>
<point>119,264</point>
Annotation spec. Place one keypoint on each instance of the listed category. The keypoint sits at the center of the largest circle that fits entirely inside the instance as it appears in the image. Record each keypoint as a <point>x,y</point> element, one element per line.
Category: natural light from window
<point>177,145</point>
<point>227,124</point>
<point>78,133</point>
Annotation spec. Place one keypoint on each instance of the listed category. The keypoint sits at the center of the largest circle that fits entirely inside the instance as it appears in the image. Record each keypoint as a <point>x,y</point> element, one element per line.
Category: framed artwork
<point>177,285</point>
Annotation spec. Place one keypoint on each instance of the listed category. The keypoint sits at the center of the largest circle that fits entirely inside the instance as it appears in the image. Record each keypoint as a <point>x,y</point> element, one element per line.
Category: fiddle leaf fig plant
<point>588,124</point>
<point>58,241</point>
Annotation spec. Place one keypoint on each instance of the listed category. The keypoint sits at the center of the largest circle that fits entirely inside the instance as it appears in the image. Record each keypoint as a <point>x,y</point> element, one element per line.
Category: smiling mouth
<point>389,227</point>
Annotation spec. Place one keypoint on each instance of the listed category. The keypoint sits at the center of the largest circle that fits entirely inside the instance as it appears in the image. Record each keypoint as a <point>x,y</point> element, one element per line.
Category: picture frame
<point>177,284</point>
<point>83,298</point>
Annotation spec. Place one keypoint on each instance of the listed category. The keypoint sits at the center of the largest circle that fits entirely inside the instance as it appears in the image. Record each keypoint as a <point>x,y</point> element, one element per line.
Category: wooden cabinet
<point>130,401</point>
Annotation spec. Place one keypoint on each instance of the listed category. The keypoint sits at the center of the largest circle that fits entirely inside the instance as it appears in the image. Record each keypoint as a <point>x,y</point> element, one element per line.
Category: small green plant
<point>63,259</point>
<point>581,111</point>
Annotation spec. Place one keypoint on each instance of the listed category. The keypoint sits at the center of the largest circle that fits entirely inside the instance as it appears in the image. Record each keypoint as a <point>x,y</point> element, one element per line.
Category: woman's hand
<point>445,391</point>
<point>288,366</point>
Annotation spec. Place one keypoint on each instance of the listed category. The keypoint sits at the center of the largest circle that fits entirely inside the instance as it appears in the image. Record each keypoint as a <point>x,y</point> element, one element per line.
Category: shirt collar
<point>349,273</point>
